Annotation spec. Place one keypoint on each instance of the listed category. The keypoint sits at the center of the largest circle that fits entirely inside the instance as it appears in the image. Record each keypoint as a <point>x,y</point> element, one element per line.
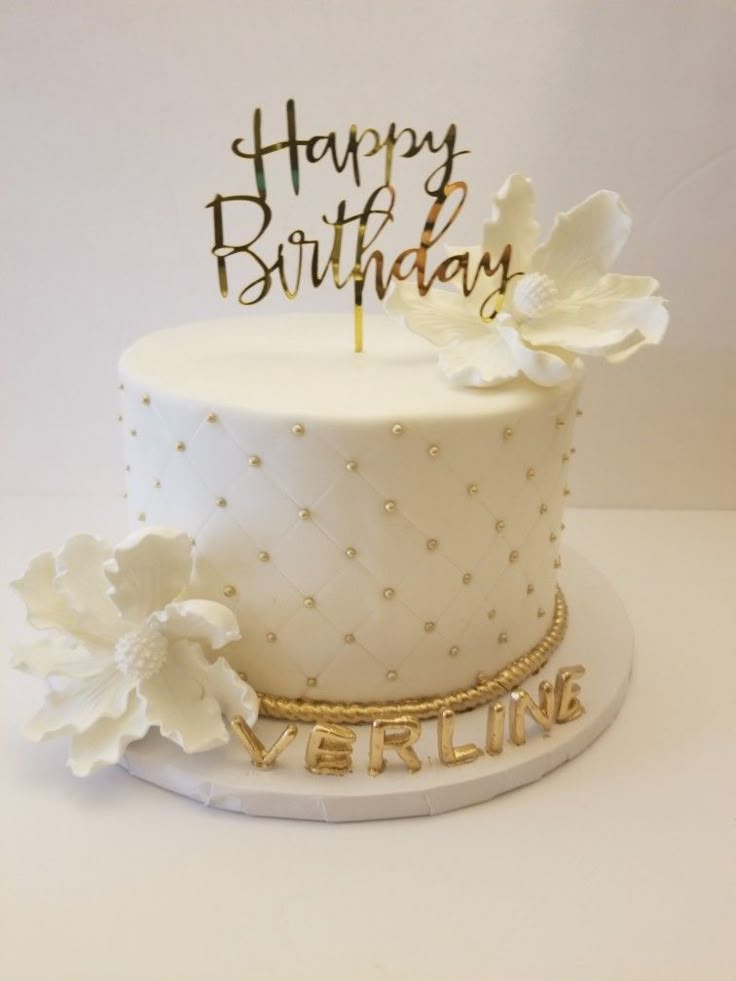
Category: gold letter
<point>494,728</point>
<point>449,754</point>
<point>543,714</point>
<point>258,753</point>
<point>399,734</point>
<point>330,749</point>
<point>567,704</point>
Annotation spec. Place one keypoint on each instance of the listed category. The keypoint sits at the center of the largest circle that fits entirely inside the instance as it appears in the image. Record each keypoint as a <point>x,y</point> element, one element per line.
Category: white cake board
<point>599,636</point>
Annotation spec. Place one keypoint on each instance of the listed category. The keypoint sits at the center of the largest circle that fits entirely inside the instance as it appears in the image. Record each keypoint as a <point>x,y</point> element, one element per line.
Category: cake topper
<point>513,307</point>
<point>287,268</point>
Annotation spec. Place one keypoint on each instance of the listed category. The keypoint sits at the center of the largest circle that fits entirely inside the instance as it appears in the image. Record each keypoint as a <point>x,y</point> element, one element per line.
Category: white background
<point>118,118</point>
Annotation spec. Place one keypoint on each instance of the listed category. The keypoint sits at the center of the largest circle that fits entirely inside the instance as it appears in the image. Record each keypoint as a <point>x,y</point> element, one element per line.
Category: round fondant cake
<point>338,520</point>
<point>381,536</point>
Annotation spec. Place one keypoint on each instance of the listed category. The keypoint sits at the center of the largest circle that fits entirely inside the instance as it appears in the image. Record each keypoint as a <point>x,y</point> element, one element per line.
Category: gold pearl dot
<point>567,492</point>
<point>397,429</point>
<point>558,563</point>
<point>565,458</point>
<point>429,626</point>
<point>297,429</point>
<point>573,449</point>
<point>513,555</point>
<point>500,525</point>
<point>389,506</point>
<point>211,417</point>
<point>503,637</point>
<point>349,638</point>
<point>263,557</point>
<point>454,651</point>
<point>351,552</point>
<point>127,468</point>
<point>541,613</point>
<point>271,637</point>
<point>309,602</point>
<point>125,495</point>
<point>392,675</point>
<point>563,526</point>
<point>120,418</point>
<point>389,592</point>
<point>472,489</point>
<point>221,502</point>
<point>491,614</point>
<point>311,682</point>
<point>529,589</point>
<point>481,678</point>
<point>229,590</point>
<point>578,412</point>
<point>543,509</point>
<point>141,515</point>
<point>508,432</point>
<point>133,432</point>
<point>305,514</point>
<point>432,544</point>
<point>552,536</point>
<point>254,461</point>
<point>351,465</point>
<point>467,578</point>
<point>146,400</point>
<point>157,484</point>
<point>121,387</point>
<point>434,450</point>
<point>559,423</point>
<point>181,446</point>
<point>531,473</point>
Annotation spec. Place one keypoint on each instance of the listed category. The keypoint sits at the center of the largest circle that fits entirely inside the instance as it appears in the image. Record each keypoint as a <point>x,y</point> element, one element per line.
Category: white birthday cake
<point>335,536</point>
<point>380,535</point>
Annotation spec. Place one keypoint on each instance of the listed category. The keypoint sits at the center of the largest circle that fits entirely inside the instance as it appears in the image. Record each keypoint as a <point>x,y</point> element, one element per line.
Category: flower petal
<point>204,621</point>
<point>479,362</point>
<point>48,658</point>
<point>584,243</point>
<point>46,608</point>
<point>80,704</point>
<point>440,317</point>
<point>601,328</point>
<point>105,742</point>
<point>188,697</point>
<point>541,367</point>
<point>512,223</point>
<point>81,578</point>
<point>149,569</point>
<point>616,286</point>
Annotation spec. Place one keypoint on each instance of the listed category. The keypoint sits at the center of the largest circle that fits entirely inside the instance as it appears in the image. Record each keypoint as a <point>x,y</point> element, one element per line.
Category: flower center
<point>533,295</point>
<point>141,653</point>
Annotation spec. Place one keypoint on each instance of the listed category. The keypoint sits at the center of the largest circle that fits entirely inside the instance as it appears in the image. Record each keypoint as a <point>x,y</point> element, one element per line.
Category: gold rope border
<point>460,700</point>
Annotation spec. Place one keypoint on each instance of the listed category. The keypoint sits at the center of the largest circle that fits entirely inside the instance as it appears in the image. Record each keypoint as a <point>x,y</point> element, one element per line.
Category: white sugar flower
<point>561,302</point>
<point>126,651</point>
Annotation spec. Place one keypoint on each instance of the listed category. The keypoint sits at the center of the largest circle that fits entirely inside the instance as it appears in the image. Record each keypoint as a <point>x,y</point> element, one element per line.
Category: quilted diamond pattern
<point>365,560</point>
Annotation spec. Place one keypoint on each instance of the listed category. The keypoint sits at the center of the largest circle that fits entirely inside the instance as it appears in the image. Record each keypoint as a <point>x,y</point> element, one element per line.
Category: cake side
<point>379,534</point>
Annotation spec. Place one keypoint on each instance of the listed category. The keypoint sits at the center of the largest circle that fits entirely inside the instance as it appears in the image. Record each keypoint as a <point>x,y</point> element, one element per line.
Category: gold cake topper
<point>308,256</point>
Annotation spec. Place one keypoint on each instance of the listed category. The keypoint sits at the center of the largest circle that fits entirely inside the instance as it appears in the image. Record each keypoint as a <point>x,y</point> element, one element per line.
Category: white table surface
<point>620,865</point>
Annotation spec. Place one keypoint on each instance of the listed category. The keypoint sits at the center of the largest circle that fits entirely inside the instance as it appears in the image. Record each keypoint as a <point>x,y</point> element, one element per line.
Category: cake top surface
<point>304,364</point>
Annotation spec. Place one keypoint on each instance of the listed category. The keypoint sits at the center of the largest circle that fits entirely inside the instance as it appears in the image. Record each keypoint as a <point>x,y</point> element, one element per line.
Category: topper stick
<point>358,326</point>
